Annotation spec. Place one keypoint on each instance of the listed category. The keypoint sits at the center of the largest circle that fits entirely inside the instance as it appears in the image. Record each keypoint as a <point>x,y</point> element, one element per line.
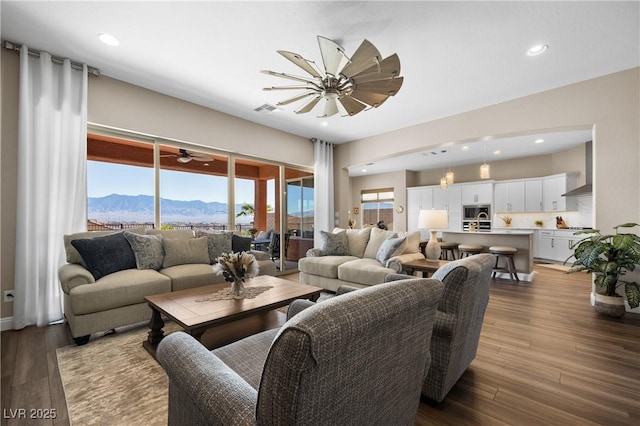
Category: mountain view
<point>139,208</point>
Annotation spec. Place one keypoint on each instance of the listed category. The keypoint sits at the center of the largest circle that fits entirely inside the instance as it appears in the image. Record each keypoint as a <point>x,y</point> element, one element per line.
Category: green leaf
<point>632,291</point>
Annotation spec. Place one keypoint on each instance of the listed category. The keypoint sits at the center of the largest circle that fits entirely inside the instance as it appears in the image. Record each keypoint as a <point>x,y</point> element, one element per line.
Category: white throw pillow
<point>413,241</point>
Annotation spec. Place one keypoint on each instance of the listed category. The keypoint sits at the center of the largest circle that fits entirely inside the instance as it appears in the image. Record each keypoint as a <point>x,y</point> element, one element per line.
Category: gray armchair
<point>459,317</point>
<point>360,358</point>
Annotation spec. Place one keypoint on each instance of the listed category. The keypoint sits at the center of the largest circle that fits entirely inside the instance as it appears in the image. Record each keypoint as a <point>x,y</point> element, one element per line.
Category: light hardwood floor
<point>545,358</point>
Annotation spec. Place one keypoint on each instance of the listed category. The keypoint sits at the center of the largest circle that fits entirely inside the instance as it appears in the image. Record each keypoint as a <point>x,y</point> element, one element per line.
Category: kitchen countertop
<point>495,232</point>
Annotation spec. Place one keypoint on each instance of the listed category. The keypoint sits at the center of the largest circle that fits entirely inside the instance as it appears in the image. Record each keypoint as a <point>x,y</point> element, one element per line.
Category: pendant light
<point>443,181</point>
<point>449,175</point>
<point>485,170</point>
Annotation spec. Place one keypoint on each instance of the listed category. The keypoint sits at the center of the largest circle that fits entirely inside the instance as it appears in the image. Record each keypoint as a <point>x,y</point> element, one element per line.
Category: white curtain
<point>52,162</point>
<point>323,189</point>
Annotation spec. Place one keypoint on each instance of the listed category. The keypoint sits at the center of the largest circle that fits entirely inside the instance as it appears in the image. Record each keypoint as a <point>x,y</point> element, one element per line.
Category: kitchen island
<point>520,239</point>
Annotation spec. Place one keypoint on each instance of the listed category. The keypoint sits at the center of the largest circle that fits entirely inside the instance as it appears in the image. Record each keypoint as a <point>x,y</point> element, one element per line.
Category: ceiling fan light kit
<point>359,83</point>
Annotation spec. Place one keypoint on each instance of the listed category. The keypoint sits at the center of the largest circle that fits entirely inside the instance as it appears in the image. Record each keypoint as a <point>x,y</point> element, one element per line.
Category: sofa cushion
<point>105,255</point>
<point>324,266</point>
<point>413,241</point>
<point>172,233</point>
<point>181,251</point>
<point>363,271</point>
<point>122,288</point>
<point>334,244</point>
<point>148,250</point>
<point>375,241</point>
<point>218,243</point>
<point>72,254</point>
<point>389,248</point>
<point>191,275</point>
<point>358,239</point>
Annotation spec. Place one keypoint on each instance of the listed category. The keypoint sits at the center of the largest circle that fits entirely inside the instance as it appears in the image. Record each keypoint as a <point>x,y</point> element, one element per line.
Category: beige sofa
<point>108,274</point>
<point>371,255</point>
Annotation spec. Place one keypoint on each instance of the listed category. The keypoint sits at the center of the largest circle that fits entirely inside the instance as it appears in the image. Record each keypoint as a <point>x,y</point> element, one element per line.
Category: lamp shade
<point>433,219</point>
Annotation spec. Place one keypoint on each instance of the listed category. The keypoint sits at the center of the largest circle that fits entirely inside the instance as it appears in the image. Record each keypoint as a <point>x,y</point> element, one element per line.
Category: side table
<point>421,265</point>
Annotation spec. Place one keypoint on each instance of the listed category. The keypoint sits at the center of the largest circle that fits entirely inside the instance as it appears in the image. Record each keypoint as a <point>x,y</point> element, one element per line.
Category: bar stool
<point>448,248</point>
<point>507,253</point>
<point>466,250</point>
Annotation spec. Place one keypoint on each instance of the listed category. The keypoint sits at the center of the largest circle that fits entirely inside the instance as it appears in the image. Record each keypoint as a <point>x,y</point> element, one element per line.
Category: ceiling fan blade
<point>373,99</point>
<point>301,62</point>
<point>388,87</point>
<point>289,76</point>
<point>199,156</point>
<point>286,88</point>
<point>388,68</point>
<point>330,107</point>
<point>351,105</point>
<point>309,105</point>
<point>333,56</point>
<point>362,59</point>
<point>296,98</point>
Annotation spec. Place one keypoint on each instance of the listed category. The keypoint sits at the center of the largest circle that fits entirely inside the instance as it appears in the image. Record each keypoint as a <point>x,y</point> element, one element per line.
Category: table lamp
<point>433,220</point>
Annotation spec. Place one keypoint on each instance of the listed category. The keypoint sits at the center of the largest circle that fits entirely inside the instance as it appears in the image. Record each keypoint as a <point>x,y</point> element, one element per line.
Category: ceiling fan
<point>184,156</point>
<point>357,83</point>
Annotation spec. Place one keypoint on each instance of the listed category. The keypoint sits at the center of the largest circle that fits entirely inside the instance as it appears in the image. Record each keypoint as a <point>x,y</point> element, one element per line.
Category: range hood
<point>587,188</point>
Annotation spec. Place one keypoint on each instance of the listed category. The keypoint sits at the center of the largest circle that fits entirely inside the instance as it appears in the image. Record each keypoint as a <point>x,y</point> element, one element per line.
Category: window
<point>377,206</point>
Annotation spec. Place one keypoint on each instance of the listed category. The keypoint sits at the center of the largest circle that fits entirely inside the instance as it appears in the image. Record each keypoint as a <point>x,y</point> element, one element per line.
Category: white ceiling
<point>455,56</point>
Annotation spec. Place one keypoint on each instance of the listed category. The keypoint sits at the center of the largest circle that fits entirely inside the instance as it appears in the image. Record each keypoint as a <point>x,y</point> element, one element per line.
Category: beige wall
<point>395,180</point>
<point>117,104</point>
<point>611,104</point>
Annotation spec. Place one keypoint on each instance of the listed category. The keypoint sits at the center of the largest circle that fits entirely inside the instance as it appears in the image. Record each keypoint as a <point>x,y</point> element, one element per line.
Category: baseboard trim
<point>6,323</point>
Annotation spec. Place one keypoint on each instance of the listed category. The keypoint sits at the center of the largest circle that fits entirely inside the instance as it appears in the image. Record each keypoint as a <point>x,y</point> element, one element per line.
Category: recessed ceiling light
<point>325,123</point>
<point>466,147</point>
<point>497,152</point>
<point>539,140</point>
<point>108,39</point>
<point>537,49</point>
<point>364,170</point>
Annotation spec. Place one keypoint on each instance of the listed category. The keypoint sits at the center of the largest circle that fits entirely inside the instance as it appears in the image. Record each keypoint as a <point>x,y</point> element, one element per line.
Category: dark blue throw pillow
<point>105,255</point>
<point>239,243</point>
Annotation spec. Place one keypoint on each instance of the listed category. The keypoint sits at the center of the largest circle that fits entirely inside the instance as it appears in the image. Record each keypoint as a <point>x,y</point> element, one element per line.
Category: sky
<point>107,178</point>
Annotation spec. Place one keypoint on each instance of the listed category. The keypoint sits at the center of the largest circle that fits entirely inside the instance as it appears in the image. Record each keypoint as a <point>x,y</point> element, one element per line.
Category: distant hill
<point>139,208</point>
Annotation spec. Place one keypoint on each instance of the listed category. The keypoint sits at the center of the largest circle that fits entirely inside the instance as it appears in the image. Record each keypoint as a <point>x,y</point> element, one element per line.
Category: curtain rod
<point>55,59</point>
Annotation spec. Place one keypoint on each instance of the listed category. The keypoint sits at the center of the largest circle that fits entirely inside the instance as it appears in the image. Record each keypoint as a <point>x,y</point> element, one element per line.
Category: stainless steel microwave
<point>472,212</point>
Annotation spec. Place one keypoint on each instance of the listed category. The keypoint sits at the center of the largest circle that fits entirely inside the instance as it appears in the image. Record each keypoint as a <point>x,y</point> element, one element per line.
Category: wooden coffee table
<point>196,317</point>
<point>424,266</point>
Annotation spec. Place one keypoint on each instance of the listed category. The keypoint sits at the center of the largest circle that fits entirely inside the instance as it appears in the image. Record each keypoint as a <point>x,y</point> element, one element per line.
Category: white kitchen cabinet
<point>418,198</point>
<point>555,245</point>
<point>477,193</point>
<point>533,195</point>
<point>509,197</point>
<point>449,199</point>
<point>552,189</point>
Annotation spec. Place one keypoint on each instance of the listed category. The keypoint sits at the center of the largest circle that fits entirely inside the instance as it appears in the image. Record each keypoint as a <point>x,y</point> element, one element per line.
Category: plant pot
<point>611,306</point>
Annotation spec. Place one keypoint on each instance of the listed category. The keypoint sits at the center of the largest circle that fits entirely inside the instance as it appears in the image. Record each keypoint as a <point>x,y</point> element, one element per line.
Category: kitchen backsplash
<point>582,217</point>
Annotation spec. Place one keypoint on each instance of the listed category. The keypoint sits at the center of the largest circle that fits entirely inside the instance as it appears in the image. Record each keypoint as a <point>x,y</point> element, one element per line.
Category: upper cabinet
<point>509,197</point>
<point>418,198</point>
<point>533,195</point>
<point>552,189</point>
<point>477,193</point>
<point>449,199</point>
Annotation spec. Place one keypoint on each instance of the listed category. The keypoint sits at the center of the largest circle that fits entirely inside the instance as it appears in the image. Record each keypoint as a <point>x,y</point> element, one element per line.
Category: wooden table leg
<point>197,333</point>
<point>156,334</point>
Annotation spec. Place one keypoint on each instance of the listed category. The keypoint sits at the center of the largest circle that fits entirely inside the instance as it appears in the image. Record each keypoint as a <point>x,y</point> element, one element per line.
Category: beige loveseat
<point>108,274</point>
<point>369,256</point>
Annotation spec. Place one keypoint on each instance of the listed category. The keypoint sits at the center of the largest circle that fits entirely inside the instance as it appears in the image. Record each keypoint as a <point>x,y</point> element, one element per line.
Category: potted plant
<point>539,223</point>
<point>507,220</point>
<point>609,257</point>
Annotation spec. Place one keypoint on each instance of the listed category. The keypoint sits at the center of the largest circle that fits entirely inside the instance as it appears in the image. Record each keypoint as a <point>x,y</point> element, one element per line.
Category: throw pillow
<point>218,242</point>
<point>389,248</point>
<point>239,243</point>
<point>182,251</point>
<point>413,241</point>
<point>334,244</point>
<point>378,236</point>
<point>358,239</point>
<point>105,255</point>
<point>147,249</point>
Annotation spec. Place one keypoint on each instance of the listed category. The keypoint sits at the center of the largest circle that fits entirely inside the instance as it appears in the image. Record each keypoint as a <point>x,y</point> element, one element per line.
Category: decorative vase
<point>611,306</point>
<point>237,288</point>
<point>507,225</point>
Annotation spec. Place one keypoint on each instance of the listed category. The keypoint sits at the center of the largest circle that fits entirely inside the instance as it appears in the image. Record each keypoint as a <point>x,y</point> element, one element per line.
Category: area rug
<point>113,380</point>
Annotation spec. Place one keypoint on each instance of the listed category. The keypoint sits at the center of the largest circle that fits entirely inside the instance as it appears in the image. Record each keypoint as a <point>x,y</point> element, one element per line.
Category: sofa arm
<point>345,289</point>
<point>260,255</point>
<point>220,394</point>
<point>298,306</point>
<point>314,252</point>
<point>396,262</point>
<point>444,324</point>
<point>72,275</point>
<point>397,277</point>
